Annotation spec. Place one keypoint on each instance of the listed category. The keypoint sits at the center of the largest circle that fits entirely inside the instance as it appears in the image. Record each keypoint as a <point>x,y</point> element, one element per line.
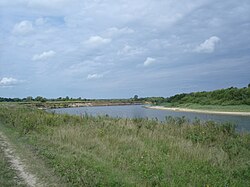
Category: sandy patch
<point>198,111</point>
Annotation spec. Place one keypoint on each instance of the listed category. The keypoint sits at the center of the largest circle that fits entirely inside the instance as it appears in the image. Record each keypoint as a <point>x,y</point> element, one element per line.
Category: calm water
<point>134,111</point>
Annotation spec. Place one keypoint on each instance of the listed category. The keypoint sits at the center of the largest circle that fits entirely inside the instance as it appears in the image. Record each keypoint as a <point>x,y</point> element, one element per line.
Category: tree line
<point>40,99</point>
<point>229,96</point>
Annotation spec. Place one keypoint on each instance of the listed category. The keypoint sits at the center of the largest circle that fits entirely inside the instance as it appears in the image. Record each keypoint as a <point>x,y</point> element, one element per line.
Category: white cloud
<point>160,29</point>
<point>149,61</point>
<point>8,81</point>
<point>44,56</point>
<point>208,46</point>
<point>129,50</point>
<point>24,27</point>
<point>94,76</point>
<point>96,41</point>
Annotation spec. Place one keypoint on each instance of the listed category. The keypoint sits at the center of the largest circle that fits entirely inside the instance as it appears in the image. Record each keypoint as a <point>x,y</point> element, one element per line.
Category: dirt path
<point>16,162</point>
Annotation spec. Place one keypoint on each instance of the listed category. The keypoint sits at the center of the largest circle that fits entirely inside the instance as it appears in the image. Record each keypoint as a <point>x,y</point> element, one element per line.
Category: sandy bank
<point>198,111</point>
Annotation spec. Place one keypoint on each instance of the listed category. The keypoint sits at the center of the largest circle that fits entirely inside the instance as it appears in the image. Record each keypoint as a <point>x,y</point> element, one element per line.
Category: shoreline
<point>198,111</point>
<point>77,105</point>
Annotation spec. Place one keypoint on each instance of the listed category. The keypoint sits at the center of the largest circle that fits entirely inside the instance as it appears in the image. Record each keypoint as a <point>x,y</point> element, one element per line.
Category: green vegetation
<point>103,151</point>
<point>8,177</point>
<point>66,102</point>
<point>67,99</point>
<point>230,100</point>
<point>223,97</point>
<point>226,100</point>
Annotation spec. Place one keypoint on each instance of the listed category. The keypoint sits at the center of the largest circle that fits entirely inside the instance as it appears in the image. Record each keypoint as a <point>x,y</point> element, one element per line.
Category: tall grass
<point>103,151</point>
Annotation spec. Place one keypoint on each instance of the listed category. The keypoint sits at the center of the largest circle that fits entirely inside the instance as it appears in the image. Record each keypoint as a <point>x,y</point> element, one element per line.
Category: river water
<point>138,111</point>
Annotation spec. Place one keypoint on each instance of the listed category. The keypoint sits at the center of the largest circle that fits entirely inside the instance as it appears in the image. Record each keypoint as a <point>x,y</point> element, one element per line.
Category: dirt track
<point>16,162</point>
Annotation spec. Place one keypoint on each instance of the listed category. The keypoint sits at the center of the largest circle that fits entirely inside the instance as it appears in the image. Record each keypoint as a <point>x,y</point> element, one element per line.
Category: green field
<point>102,151</point>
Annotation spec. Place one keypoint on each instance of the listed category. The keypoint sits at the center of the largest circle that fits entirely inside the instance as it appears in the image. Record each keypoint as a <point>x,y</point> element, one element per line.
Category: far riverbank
<point>64,104</point>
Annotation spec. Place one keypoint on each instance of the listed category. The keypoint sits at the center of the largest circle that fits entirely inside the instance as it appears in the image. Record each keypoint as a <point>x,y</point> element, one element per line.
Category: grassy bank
<point>220,108</point>
<point>102,151</point>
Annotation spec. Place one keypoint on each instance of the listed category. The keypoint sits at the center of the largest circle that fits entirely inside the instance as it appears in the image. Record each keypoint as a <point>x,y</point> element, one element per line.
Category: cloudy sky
<point>116,49</point>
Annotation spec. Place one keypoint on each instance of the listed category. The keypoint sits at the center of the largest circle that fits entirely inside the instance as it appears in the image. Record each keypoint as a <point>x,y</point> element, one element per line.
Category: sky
<point>116,49</point>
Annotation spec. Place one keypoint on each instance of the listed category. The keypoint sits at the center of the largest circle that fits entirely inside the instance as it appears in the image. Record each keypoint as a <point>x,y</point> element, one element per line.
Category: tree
<point>249,85</point>
<point>38,98</point>
<point>29,98</point>
<point>136,97</point>
<point>41,99</point>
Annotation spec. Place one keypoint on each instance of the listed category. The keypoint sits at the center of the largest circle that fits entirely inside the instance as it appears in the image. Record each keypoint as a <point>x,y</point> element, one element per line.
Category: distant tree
<point>16,99</point>
<point>67,98</point>
<point>41,99</point>
<point>38,98</point>
<point>249,85</point>
<point>136,97</point>
<point>29,98</point>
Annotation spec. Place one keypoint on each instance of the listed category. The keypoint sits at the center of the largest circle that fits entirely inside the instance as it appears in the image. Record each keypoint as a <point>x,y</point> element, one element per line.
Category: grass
<point>8,177</point>
<point>103,151</point>
<point>33,164</point>
<point>221,108</point>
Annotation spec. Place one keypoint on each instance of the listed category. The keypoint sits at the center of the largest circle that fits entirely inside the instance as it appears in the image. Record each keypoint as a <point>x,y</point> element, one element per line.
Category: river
<point>138,111</point>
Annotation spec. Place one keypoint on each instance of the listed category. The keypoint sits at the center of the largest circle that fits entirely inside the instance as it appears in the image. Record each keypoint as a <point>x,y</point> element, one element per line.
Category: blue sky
<point>116,49</point>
